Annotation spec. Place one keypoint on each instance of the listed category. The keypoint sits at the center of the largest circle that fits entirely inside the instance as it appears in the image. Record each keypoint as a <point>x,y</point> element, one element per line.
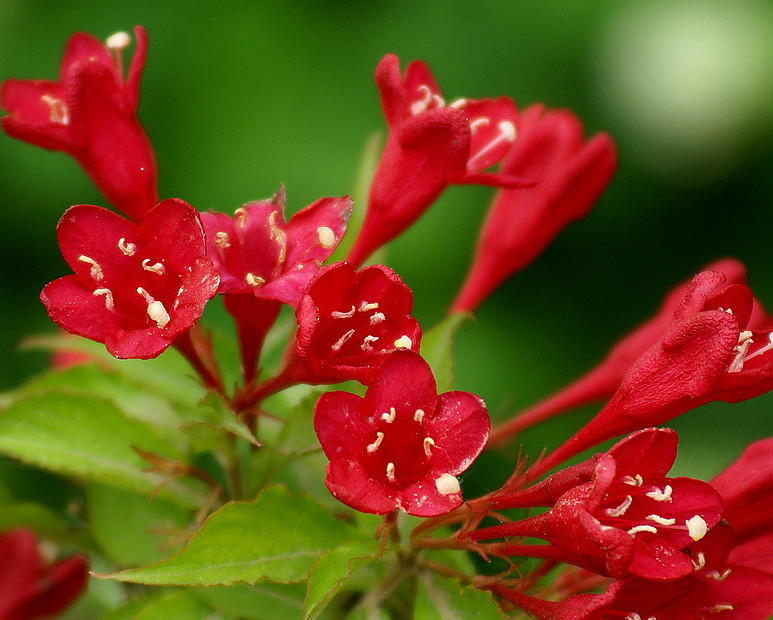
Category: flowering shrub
<point>214,493</point>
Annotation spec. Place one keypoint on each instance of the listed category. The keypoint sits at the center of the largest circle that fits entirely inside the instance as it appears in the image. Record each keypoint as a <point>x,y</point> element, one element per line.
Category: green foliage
<point>441,598</point>
<point>91,439</point>
<point>331,571</point>
<point>277,537</point>
<point>148,526</point>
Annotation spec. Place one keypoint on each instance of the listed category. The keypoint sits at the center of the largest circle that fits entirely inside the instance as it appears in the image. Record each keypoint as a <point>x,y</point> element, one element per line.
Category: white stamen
<point>661,520</point>
<point>326,237</point>
<point>374,446</point>
<point>744,342</point>
<point>661,496</point>
<point>342,315</point>
<point>447,485</point>
<point>366,306</point>
<point>419,415</point>
<point>696,527</point>
<point>506,133</point>
<point>108,297</point>
<point>158,313</point>
<point>458,103</point>
<point>240,215</point>
<point>58,112</point>
<point>95,271</point>
<point>390,416</point>
<point>403,342</point>
<point>128,249</point>
<point>428,443</point>
<point>118,41</point>
<point>717,576</point>
<point>643,528</point>
<point>155,310</point>
<point>742,351</point>
<point>278,235</point>
<point>481,121</point>
<point>154,268</point>
<point>366,346</point>
<point>621,509</point>
<point>428,97</point>
<point>700,561</point>
<point>632,616</point>
<point>254,280</point>
<point>342,340</point>
<point>390,471</point>
<point>634,481</point>
<point>721,607</point>
<point>222,240</point>
<point>377,317</point>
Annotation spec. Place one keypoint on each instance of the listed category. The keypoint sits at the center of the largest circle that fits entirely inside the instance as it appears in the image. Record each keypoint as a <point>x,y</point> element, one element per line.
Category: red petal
<point>404,380</point>
<point>76,309</point>
<point>460,425</point>
<point>94,232</point>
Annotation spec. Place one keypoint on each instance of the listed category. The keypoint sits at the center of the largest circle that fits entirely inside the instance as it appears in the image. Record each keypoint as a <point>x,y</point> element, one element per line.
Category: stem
<point>195,346</point>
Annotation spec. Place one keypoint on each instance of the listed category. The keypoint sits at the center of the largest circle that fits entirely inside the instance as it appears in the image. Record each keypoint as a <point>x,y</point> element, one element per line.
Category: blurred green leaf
<point>133,529</point>
<point>278,537</point>
<point>44,521</point>
<point>180,604</point>
<point>89,438</point>
<point>331,571</point>
<point>441,598</point>
<point>136,400</point>
<point>214,411</point>
<point>264,601</point>
<point>437,347</point>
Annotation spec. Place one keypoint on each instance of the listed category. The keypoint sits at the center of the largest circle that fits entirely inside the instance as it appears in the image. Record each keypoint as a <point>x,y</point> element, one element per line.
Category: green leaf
<point>169,374</point>
<point>180,604</point>
<point>277,537</point>
<point>44,521</point>
<point>213,411</point>
<point>264,601</point>
<point>441,598</point>
<point>91,439</point>
<point>135,400</point>
<point>437,347</point>
<point>146,525</point>
<point>331,571</point>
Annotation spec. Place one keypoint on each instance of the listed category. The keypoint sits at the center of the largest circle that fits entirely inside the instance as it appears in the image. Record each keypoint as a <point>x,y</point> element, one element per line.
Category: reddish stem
<point>196,347</point>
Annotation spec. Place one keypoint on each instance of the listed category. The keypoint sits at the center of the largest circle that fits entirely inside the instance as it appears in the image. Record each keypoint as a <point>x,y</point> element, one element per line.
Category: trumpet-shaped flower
<point>570,175</point>
<point>431,144</point>
<point>90,113</point>
<point>135,288</point>
<point>401,446</point>
<point>629,519</point>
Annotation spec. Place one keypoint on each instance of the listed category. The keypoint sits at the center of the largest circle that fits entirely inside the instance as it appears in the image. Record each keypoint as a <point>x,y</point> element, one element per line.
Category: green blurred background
<point>240,97</point>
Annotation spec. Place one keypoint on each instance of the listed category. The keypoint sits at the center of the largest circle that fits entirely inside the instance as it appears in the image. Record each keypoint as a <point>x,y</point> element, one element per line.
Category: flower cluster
<point>618,536</point>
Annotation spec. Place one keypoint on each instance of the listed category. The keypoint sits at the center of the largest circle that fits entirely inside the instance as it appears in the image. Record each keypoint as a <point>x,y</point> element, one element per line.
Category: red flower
<point>259,254</point>
<point>135,288</point>
<point>28,588</point>
<point>602,381</point>
<point>707,353</point>
<point>628,519</point>
<point>401,446</point>
<point>349,322</point>
<point>570,173</point>
<point>747,488</point>
<point>430,146</point>
<point>91,114</point>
